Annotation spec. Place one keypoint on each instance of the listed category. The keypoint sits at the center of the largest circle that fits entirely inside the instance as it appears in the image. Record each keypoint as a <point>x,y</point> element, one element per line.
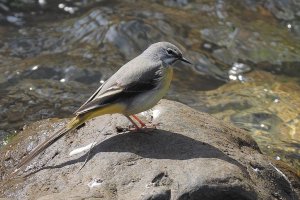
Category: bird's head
<point>166,52</point>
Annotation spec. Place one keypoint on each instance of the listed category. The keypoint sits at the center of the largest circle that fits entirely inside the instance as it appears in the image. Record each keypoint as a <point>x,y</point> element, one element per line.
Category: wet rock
<point>286,10</point>
<point>190,156</point>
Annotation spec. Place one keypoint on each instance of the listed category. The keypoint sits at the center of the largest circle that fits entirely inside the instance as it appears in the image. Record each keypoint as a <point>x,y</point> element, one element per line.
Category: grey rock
<point>190,156</point>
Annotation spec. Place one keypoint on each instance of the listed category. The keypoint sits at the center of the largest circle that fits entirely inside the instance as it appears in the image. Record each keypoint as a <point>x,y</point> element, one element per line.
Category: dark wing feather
<point>117,93</point>
<point>99,101</point>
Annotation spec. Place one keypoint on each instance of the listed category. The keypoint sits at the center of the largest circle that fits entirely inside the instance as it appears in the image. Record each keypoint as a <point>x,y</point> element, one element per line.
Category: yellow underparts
<point>169,75</point>
<point>166,81</point>
<point>111,109</point>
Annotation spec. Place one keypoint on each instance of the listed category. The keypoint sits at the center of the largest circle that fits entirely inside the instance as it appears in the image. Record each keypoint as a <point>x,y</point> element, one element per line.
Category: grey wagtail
<point>137,86</point>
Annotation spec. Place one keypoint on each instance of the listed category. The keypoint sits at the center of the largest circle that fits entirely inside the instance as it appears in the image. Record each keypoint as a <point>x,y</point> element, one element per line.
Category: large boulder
<point>191,155</point>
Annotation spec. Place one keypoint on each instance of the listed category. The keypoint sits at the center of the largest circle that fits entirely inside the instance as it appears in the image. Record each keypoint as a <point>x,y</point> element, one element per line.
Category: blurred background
<point>246,55</point>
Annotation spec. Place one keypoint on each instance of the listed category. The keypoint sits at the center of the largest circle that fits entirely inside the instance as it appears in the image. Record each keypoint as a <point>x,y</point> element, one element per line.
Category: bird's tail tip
<point>73,123</point>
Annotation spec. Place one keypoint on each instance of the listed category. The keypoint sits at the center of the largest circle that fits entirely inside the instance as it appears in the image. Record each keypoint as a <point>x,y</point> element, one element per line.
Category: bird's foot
<point>145,127</point>
<point>151,125</point>
<point>148,125</point>
<point>130,128</point>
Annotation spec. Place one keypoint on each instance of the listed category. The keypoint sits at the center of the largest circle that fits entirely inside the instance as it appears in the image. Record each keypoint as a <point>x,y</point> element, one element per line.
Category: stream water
<point>54,54</point>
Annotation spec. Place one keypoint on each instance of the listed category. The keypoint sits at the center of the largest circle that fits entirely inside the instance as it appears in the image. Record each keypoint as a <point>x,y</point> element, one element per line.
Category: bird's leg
<point>149,125</point>
<point>134,124</point>
<point>136,127</point>
<point>139,121</point>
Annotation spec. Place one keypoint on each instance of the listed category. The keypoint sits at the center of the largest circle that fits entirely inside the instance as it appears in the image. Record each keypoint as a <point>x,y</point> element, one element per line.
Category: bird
<point>136,87</point>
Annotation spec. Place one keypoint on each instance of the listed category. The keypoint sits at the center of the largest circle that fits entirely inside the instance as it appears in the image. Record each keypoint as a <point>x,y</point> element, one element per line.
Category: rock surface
<point>190,156</point>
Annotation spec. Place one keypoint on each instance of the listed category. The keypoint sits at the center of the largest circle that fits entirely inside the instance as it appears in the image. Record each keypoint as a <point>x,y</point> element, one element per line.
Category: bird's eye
<point>170,51</point>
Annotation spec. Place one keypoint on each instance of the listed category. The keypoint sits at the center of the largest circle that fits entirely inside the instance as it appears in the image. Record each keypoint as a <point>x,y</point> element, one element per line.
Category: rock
<point>190,156</point>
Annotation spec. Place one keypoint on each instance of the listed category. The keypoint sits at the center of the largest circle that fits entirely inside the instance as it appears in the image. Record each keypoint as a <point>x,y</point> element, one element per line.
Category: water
<point>54,54</point>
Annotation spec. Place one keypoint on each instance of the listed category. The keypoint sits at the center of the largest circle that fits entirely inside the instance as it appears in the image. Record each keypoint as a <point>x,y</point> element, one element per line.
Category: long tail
<point>73,124</point>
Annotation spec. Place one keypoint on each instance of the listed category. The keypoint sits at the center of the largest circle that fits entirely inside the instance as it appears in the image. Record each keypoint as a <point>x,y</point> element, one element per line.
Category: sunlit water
<point>54,54</point>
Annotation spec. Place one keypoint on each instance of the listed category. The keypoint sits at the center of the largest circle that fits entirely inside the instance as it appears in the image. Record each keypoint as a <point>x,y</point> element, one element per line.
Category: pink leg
<point>134,124</point>
<point>143,125</point>
<point>138,120</point>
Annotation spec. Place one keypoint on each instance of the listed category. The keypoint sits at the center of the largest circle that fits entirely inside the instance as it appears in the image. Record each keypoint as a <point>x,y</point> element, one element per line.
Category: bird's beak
<point>183,59</point>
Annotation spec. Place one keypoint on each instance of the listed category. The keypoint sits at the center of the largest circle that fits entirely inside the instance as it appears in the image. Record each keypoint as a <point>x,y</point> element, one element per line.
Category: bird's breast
<point>149,99</point>
<point>167,78</point>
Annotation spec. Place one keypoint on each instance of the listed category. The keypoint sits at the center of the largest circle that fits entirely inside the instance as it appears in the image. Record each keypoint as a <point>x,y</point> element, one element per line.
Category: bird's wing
<point>119,91</point>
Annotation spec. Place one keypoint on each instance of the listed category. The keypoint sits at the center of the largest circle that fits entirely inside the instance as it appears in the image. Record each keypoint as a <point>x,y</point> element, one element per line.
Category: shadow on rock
<point>158,144</point>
